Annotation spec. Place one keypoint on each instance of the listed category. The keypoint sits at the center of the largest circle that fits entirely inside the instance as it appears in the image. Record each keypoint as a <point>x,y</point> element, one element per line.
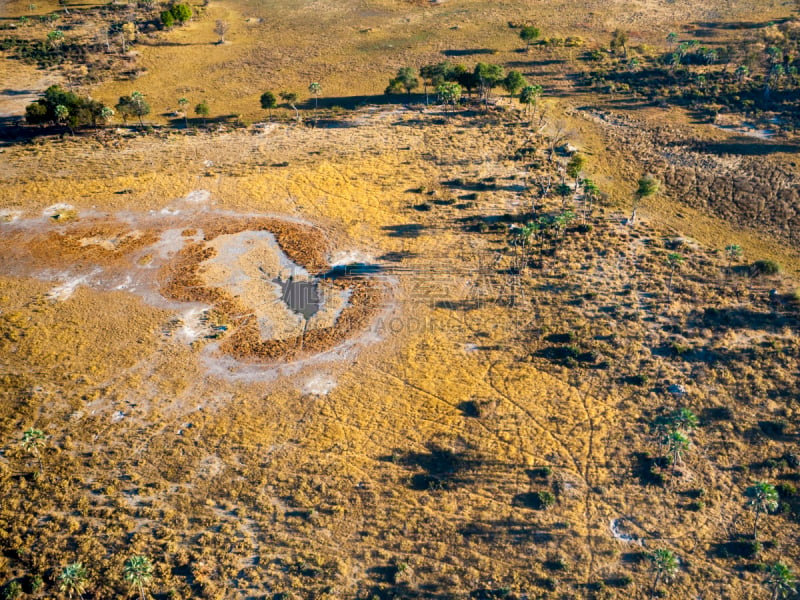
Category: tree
<point>33,442</point>
<point>781,581</point>
<point>665,566</point>
<point>733,252</point>
<point>127,35</point>
<point>202,110</point>
<point>221,28</point>
<point>674,260</point>
<point>291,99</point>
<point>762,497</point>
<point>106,115</point>
<point>574,168</point>
<point>406,79</point>
<point>436,75</point>
<point>167,19</point>
<point>513,83</point>
<point>449,93</point>
<point>676,443</point>
<point>55,38</point>
<point>13,590</point>
<point>529,96</point>
<point>590,192</point>
<point>619,41</point>
<point>529,34</point>
<point>138,571</point>
<point>73,579</point>
<point>139,106</point>
<point>672,38</point>
<point>62,114</point>
<point>184,104</point>
<point>315,89</point>
<point>181,12</point>
<point>488,77</point>
<point>81,110</point>
<point>648,186</point>
<point>268,102</point>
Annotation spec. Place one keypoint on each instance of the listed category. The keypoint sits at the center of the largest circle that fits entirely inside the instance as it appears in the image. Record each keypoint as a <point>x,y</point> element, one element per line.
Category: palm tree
<point>138,572</point>
<point>73,580</point>
<point>314,89</point>
<point>781,581</point>
<point>674,260</point>
<point>762,497</point>
<point>733,251</point>
<point>529,96</point>
<point>184,104</point>
<point>33,442</point>
<point>665,567</point>
<point>676,442</point>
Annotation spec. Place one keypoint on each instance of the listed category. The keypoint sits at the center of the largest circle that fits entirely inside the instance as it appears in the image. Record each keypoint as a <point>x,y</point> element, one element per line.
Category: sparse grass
<point>420,468</point>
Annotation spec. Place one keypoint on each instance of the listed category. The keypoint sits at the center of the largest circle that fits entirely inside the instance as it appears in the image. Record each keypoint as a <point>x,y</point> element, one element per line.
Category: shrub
<point>765,267</point>
<point>546,499</point>
<point>80,110</point>
<point>167,19</point>
<point>181,12</point>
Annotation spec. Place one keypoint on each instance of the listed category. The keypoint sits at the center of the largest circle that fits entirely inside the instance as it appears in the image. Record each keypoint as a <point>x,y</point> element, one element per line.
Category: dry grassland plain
<point>487,431</point>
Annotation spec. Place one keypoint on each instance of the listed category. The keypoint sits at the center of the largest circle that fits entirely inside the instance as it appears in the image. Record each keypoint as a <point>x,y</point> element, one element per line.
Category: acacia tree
<point>268,102</point>
<point>291,99</point>
<point>664,566</point>
<point>138,571</point>
<point>406,79</point>
<point>648,186</point>
<point>488,77</point>
<point>73,579</point>
<point>202,110</point>
<point>619,41</point>
<point>513,83</point>
<point>133,105</point>
<point>781,581</point>
<point>33,442</point>
<point>762,497</point>
<point>529,34</point>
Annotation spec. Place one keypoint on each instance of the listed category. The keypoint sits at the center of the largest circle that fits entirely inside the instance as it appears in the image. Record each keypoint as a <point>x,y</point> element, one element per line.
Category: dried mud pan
<point>250,290</point>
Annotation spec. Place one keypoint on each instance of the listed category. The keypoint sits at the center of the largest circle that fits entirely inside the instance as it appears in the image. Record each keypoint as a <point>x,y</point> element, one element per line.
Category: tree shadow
<point>469,52</point>
<point>744,145</point>
<point>442,467</point>
<point>409,230</point>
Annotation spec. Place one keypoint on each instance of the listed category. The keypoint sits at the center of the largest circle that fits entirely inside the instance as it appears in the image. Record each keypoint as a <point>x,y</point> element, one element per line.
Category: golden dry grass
<point>409,465</point>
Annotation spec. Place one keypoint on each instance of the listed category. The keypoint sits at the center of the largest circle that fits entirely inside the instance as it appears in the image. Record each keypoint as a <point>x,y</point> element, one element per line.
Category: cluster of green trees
<point>177,13</point>
<point>449,81</point>
<point>61,107</point>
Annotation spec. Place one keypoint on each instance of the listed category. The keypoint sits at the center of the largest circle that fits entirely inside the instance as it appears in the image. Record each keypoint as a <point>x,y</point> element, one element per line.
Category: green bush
<point>546,499</point>
<point>765,267</point>
<point>167,19</point>
<point>181,12</point>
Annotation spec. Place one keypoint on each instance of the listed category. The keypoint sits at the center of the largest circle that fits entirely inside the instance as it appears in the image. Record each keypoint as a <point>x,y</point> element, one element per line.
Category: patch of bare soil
<point>131,254</point>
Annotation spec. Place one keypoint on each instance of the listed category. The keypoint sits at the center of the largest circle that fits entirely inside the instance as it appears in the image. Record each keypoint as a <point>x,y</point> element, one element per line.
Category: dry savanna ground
<point>487,432</point>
